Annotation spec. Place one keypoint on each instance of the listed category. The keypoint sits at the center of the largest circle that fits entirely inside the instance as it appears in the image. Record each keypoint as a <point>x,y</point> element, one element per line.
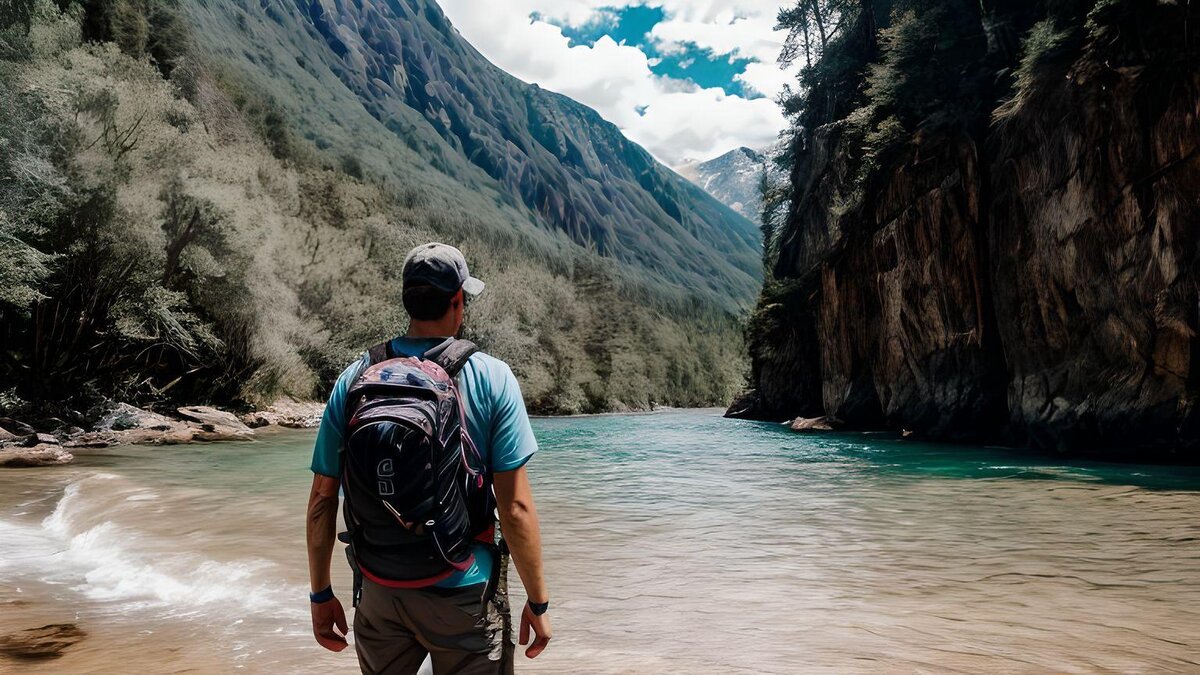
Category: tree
<point>811,25</point>
<point>188,220</point>
<point>16,13</point>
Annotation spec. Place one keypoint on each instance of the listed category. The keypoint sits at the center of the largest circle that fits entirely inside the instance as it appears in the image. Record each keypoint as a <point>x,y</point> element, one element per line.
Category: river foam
<point>96,543</point>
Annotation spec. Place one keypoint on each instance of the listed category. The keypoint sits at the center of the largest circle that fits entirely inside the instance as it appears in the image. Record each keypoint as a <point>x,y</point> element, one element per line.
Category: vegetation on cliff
<point>989,227</point>
<point>169,233</point>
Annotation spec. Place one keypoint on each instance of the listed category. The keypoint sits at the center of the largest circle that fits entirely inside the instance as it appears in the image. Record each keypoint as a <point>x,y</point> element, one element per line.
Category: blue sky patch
<point>689,62</point>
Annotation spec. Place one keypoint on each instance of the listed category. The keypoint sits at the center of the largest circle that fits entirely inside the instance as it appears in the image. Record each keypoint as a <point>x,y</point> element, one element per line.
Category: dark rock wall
<point>1097,205</point>
<point>1032,279</point>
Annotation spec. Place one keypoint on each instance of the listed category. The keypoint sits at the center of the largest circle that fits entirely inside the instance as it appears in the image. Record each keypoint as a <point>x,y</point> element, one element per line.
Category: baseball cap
<point>441,266</point>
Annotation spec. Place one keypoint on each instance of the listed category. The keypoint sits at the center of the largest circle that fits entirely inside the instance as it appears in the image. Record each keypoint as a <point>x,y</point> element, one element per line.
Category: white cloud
<point>754,37</point>
<point>680,121</point>
<point>766,78</point>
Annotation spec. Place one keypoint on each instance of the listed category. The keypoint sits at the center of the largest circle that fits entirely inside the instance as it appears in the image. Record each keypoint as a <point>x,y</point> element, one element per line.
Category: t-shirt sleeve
<point>327,451</point>
<point>513,442</point>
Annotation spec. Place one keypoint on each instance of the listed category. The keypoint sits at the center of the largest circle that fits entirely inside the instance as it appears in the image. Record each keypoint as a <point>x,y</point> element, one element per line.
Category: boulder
<point>744,406</point>
<point>812,424</point>
<point>91,439</point>
<point>17,427</point>
<point>287,413</point>
<point>41,439</point>
<point>179,433</point>
<point>38,455</point>
<point>256,420</point>
<point>49,424</point>
<point>124,424</point>
<point>211,424</point>
<point>7,436</point>
<point>123,417</point>
<point>47,642</point>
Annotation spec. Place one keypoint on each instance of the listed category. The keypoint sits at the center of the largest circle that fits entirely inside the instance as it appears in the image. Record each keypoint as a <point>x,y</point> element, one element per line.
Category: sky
<point>686,79</point>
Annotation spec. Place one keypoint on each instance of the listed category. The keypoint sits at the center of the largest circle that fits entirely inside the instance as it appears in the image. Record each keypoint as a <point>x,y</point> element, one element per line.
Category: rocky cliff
<point>1017,262</point>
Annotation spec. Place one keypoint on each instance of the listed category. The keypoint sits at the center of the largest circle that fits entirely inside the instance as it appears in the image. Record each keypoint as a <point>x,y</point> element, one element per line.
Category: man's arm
<point>321,533</point>
<point>321,518</point>
<point>321,529</point>
<point>519,523</point>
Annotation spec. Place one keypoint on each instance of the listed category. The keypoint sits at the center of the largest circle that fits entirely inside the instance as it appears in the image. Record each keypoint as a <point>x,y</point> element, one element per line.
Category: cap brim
<point>472,286</point>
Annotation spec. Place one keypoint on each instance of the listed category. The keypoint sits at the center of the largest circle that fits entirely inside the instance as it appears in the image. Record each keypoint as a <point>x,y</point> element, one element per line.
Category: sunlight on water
<point>676,542</point>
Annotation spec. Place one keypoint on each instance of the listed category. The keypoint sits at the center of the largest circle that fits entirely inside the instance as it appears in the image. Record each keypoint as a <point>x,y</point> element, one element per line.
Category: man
<point>452,619</point>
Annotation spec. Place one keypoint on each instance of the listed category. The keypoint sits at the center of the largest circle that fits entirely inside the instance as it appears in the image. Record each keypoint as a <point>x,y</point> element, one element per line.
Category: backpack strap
<point>381,352</point>
<point>452,355</point>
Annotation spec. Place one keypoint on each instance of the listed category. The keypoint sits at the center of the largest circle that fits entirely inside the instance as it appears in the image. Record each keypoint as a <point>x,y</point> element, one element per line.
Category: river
<point>675,542</point>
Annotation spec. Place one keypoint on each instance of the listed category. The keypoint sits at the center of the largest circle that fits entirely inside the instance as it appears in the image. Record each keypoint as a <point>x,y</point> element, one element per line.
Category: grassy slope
<point>599,203</point>
<point>295,269</point>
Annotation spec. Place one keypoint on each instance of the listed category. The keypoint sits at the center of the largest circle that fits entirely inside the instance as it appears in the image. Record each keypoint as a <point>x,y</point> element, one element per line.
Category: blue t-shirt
<point>496,420</point>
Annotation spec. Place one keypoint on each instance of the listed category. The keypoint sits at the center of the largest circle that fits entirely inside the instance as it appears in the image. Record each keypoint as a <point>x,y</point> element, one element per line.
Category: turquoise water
<point>675,542</point>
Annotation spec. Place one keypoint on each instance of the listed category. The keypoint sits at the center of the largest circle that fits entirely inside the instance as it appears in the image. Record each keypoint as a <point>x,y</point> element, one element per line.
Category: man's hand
<point>541,631</point>
<point>326,615</point>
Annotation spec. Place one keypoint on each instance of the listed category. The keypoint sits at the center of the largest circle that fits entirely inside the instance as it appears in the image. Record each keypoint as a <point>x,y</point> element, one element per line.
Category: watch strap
<point>321,596</point>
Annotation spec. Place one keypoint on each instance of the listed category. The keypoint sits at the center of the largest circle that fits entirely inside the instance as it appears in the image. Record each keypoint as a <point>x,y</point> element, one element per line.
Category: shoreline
<point>23,445</point>
<point>625,413</point>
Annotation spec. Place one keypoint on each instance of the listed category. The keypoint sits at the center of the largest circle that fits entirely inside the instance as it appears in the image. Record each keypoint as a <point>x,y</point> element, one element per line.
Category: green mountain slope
<point>395,86</point>
<point>200,201</point>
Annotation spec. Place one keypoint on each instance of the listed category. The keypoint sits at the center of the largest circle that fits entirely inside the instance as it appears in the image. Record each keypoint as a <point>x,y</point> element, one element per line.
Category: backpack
<point>417,492</point>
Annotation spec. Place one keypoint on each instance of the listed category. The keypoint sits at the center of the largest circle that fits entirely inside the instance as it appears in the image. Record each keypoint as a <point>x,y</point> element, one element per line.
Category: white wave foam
<point>84,543</point>
<point>23,546</point>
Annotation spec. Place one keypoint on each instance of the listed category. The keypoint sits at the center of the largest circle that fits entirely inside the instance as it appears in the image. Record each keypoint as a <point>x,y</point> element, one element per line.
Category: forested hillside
<point>178,225</point>
<point>991,226</point>
<point>395,86</point>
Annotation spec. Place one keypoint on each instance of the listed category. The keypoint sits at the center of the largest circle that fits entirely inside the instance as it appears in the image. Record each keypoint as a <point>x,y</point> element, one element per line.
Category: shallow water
<point>675,542</point>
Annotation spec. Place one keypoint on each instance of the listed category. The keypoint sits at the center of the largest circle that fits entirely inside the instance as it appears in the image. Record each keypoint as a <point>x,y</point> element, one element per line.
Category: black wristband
<point>321,596</point>
<point>538,608</point>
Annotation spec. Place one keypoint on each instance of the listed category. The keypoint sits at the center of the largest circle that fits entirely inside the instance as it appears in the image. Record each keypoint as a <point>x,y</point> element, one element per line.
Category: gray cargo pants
<point>463,632</point>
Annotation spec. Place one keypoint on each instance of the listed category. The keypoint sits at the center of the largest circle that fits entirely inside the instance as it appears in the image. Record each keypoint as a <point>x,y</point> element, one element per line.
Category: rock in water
<point>38,455</point>
<point>744,405</point>
<point>216,425</point>
<point>811,424</point>
<point>47,642</point>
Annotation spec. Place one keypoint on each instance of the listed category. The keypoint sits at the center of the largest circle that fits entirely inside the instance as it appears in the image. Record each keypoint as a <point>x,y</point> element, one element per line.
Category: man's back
<point>497,423</point>
<point>463,621</point>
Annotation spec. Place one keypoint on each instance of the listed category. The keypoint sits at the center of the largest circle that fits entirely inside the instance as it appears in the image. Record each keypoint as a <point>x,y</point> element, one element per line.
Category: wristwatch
<point>321,596</point>
<point>538,608</point>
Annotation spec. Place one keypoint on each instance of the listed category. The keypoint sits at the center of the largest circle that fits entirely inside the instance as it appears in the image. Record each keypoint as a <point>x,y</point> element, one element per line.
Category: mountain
<point>734,178</point>
<point>208,201</point>
<point>393,84</point>
<point>992,232</point>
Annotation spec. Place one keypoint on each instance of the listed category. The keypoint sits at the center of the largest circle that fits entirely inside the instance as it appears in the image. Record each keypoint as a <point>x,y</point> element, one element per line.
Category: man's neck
<point>430,329</point>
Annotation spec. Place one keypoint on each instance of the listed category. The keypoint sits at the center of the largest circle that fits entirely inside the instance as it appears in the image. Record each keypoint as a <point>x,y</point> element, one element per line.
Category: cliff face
<point>1028,274</point>
<point>1095,270</point>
